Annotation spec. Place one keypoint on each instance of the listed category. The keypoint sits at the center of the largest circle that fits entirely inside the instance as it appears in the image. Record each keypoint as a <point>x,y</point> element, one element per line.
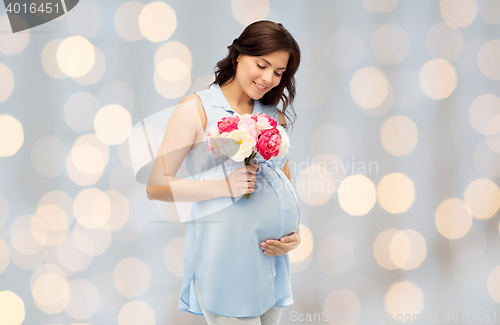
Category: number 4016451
<point>24,8</point>
<point>471,316</point>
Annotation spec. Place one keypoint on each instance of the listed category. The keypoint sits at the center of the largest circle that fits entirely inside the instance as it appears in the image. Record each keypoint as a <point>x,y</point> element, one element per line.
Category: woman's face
<point>259,74</point>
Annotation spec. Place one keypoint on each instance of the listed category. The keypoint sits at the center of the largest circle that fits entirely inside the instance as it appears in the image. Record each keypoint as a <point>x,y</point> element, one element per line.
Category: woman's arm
<point>185,127</point>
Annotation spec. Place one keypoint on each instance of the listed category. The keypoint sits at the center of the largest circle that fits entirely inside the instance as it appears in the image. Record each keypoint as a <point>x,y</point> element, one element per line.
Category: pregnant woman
<point>236,266</point>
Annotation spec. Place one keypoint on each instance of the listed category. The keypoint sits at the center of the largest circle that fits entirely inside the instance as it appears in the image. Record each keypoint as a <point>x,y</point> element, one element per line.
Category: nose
<point>267,76</point>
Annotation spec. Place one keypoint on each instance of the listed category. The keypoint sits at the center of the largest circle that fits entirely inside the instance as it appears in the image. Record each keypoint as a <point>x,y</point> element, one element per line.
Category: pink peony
<point>264,121</point>
<point>228,124</point>
<point>269,143</point>
<point>248,125</point>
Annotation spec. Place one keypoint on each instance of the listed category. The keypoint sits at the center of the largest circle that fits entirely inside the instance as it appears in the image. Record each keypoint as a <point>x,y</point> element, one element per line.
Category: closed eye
<point>278,74</point>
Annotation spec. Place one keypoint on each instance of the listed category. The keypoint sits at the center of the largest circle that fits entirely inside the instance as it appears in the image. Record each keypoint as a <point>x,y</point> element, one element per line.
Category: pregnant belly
<point>260,214</point>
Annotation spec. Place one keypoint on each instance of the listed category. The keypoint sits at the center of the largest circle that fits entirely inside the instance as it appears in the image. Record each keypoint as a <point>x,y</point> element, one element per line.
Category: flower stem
<point>249,159</point>
<point>248,162</point>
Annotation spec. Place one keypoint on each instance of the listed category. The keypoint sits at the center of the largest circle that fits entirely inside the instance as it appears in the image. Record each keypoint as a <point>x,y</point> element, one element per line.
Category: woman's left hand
<point>280,247</point>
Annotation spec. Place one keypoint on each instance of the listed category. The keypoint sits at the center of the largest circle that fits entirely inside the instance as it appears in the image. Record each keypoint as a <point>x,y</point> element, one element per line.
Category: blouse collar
<point>219,100</point>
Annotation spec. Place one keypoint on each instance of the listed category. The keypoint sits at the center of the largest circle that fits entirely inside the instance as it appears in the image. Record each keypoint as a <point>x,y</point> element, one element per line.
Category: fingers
<point>250,169</point>
<point>285,243</point>
<point>242,180</point>
<point>270,250</point>
<point>250,178</point>
<point>272,244</point>
<point>290,238</point>
<point>249,185</point>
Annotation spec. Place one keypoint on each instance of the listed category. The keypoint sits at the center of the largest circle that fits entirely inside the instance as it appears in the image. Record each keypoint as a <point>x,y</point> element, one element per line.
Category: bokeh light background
<point>400,98</point>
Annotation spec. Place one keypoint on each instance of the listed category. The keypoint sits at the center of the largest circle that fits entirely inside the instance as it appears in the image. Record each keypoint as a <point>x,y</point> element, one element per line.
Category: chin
<point>259,95</point>
<point>256,95</point>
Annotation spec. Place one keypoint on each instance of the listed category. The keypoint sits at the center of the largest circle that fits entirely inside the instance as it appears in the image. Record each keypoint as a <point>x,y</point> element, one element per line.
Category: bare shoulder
<point>201,111</point>
<point>199,119</point>
<point>281,118</point>
<point>191,98</point>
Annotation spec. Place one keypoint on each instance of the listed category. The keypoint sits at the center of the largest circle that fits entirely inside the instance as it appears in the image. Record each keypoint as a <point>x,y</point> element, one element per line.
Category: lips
<point>259,88</point>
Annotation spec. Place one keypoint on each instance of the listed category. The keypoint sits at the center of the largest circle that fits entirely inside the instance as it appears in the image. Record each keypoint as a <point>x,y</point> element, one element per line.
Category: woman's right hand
<point>242,180</point>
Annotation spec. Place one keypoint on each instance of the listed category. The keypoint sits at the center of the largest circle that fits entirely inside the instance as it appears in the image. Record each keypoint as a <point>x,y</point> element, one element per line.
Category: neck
<point>240,102</point>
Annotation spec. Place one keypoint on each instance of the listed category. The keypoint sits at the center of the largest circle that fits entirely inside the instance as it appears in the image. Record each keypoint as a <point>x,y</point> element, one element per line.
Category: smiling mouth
<point>260,86</point>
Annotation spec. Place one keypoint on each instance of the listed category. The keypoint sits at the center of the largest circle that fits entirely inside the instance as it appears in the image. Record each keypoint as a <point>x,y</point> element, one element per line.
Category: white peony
<point>241,147</point>
<point>227,147</point>
<point>285,141</point>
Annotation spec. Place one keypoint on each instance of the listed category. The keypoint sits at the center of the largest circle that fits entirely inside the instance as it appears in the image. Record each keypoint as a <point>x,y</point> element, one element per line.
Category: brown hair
<point>261,38</point>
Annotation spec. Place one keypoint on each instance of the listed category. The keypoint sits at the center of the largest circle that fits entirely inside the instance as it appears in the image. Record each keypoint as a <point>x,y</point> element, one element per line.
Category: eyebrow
<point>270,63</point>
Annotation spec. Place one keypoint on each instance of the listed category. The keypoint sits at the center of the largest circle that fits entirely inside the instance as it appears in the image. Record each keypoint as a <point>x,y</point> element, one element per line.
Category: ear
<point>238,57</point>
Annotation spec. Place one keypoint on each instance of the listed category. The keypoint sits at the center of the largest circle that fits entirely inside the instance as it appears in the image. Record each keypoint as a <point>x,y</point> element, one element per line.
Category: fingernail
<point>268,241</point>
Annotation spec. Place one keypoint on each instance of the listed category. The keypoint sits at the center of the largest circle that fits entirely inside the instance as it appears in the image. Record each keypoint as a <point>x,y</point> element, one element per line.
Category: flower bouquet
<point>241,137</point>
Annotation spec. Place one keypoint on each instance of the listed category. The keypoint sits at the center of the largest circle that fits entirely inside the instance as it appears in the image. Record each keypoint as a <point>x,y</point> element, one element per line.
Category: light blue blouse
<point>222,248</point>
